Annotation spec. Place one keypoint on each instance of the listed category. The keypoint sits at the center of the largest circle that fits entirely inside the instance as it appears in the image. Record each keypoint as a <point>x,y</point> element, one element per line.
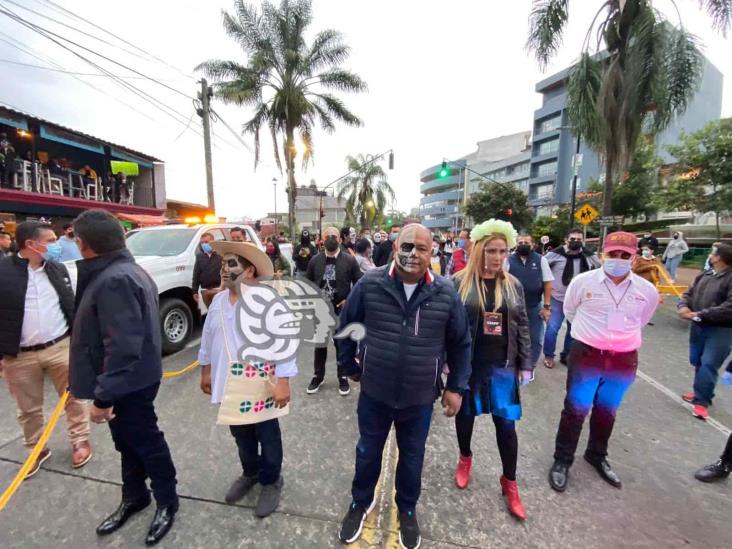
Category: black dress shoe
<point>605,471</point>
<point>558,476</point>
<point>162,522</point>
<point>116,520</point>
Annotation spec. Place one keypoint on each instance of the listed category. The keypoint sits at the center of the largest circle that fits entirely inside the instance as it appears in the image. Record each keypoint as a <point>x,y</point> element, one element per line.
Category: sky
<point>441,77</point>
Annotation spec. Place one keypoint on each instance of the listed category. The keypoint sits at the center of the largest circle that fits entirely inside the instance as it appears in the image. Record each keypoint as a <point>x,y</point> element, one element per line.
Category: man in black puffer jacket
<point>413,320</point>
<point>115,360</point>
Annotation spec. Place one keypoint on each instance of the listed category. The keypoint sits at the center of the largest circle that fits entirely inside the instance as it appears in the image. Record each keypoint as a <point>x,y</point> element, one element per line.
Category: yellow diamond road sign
<point>586,214</point>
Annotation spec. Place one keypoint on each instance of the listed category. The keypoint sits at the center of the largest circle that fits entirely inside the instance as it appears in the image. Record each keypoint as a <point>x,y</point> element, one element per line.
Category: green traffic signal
<point>443,170</point>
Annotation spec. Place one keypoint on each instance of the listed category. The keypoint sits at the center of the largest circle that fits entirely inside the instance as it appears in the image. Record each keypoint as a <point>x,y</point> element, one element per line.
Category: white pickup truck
<point>168,253</point>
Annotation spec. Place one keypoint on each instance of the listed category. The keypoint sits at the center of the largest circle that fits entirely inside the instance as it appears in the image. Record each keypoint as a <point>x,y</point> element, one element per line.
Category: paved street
<point>656,447</point>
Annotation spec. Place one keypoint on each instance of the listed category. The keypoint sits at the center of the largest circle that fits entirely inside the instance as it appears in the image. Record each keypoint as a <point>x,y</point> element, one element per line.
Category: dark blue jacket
<point>115,342</point>
<point>402,354</point>
<point>530,276</point>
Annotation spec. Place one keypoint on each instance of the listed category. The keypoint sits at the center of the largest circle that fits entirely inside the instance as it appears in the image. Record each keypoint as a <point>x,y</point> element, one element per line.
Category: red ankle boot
<point>513,500</point>
<point>462,472</point>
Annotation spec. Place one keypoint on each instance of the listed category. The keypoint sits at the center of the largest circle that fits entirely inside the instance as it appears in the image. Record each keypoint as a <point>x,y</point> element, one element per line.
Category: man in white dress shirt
<point>607,307</point>
<point>36,313</point>
<point>244,261</point>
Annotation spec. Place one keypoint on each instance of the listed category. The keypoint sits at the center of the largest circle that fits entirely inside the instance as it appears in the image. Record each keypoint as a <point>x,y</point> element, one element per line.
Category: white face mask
<point>647,253</point>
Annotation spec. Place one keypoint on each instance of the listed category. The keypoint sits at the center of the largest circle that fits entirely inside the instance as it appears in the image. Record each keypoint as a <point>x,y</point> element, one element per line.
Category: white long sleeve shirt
<point>607,316</point>
<point>43,318</point>
<point>213,348</point>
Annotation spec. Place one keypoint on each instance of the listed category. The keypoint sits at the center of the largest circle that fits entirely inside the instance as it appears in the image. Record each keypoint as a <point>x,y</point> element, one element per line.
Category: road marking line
<point>676,398</point>
<point>392,541</point>
<point>371,534</point>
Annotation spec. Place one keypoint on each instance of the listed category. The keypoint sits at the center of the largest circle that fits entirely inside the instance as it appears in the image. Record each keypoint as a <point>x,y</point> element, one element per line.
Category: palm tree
<point>635,73</point>
<point>367,189</point>
<point>285,80</point>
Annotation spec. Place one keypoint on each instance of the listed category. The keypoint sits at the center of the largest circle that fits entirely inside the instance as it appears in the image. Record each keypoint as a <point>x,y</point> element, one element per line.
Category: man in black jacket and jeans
<point>116,360</point>
<point>413,319</point>
<point>335,271</point>
<point>707,305</point>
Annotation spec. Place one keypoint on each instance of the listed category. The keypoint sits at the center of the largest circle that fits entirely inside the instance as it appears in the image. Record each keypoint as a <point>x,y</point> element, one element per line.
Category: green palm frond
<point>343,80</point>
<point>684,68</point>
<point>337,109</point>
<point>546,23</point>
<point>721,13</point>
<point>583,88</point>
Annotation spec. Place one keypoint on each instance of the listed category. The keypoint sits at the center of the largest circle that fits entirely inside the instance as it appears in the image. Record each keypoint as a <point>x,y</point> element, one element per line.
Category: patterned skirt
<point>493,389</point>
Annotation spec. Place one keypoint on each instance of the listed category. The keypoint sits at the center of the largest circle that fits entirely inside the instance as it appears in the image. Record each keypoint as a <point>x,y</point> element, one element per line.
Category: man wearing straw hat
<point>252,394</point>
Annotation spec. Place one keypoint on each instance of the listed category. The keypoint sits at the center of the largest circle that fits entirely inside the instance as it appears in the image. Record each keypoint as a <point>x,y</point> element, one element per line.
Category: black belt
<point>603,352</point>
<point>45,345</point>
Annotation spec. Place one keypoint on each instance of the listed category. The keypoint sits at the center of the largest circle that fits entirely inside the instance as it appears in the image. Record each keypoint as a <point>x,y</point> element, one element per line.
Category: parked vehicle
<point>168,253</point>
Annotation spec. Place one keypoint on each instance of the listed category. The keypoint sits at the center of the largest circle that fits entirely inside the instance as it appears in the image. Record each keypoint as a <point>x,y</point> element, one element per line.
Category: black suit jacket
<point>347,274</point>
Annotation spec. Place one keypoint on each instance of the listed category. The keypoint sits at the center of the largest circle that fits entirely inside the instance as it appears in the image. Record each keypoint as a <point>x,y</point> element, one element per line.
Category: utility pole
<point>577,164</point>
<point>205,113</point>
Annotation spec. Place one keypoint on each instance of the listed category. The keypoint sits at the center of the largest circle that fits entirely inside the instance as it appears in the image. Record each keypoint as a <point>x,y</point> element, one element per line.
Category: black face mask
<point>331,244</point>
<point>70,235</point>
<point>523,249</point>
<point>575,245</point>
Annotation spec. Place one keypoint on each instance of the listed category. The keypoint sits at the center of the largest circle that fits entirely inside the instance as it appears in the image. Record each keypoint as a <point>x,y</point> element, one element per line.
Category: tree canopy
<point>500,201</point>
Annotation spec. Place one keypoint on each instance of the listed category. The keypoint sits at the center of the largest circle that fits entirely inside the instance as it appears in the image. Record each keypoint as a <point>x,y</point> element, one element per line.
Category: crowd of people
<point>463,319</point>
<point>74,179</point>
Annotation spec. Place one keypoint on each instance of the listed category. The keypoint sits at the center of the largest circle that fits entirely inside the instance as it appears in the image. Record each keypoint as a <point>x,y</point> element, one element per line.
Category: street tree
<point>554,226</point>
<point>635,71</point>
<point>499,201</point>
<point>702,176</point>
<point>286,80</point>
<point>366,191</point>
<point>637,193</point>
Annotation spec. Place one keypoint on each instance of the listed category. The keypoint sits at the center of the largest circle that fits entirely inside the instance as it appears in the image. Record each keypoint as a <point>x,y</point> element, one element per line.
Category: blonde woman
<point>494,302</point>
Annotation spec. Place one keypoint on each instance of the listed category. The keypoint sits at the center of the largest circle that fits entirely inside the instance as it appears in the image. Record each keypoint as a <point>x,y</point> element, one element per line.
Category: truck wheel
<point>176,323</point>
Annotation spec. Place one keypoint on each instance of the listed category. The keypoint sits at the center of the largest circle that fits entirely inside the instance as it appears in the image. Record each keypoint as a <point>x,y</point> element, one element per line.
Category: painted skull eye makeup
<point>232,263</point>
<point>407,247</point>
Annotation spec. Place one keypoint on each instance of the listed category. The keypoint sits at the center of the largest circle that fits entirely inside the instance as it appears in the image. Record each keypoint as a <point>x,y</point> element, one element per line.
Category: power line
<point>5,10</point>
<point>30,65</point>
<point>23,49</point>
<point>87,21</point>
<point>143,95</point>
<point>102,40</point>
<point>233,132</point>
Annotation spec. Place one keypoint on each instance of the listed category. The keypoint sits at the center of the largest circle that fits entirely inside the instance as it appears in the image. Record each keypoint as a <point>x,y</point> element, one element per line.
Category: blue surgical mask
<point>461,243</point>
<point>616,267</point>
<point>53,251</point>
<point>206,247</point>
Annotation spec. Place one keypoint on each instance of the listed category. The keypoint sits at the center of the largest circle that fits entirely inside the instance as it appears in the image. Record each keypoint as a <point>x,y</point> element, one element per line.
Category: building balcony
<point>439,210</point>
<point>447,195</point>
<point>14,200</point>
<point>449,183</point>
<point>439,223</point>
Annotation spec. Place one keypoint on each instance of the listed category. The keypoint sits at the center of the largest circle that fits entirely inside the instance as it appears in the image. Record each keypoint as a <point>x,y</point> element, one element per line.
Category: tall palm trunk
<point>607,194</point>
<point>291,184</point>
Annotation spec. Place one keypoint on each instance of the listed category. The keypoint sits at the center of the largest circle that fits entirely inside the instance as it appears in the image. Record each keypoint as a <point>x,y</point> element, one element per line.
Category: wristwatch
<point>547,306</point>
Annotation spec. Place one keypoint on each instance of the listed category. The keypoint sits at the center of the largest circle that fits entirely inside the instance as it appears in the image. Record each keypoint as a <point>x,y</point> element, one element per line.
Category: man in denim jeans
<point>708,305</point>
<point>566,262</point>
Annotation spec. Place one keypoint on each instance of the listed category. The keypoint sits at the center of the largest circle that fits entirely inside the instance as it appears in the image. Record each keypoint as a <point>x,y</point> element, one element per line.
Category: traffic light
<point>389,221</point>
<point>443,170</point>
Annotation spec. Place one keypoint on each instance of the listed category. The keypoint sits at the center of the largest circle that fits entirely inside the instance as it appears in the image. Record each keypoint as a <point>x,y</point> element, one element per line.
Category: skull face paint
<point>231,269</point>
<point>408,256</point>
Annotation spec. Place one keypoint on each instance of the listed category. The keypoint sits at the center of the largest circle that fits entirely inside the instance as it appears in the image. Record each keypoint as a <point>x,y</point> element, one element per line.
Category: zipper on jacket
<point>363,360</point>
<point>437,369</point>
<point>416,322</point>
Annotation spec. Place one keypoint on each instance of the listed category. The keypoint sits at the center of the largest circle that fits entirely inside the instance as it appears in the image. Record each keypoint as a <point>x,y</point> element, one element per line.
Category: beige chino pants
<point>24,376</point>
